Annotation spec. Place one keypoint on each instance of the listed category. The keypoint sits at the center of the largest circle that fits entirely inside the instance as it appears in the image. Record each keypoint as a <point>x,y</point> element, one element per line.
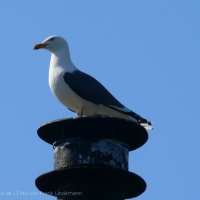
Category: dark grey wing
<point>90,89</point>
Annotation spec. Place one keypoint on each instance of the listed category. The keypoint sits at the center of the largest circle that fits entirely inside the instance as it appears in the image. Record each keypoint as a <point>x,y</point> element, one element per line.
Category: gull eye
<point>52,39</point>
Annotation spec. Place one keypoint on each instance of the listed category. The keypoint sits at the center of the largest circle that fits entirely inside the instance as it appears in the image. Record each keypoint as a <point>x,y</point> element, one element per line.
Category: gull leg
<point>81,113</point>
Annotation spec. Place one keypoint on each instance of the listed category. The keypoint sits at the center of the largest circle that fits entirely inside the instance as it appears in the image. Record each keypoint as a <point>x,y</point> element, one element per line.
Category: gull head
<point>52,43</point>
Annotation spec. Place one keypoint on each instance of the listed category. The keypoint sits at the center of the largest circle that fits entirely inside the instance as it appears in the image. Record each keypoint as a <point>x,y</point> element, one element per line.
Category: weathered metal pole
<point>91,159</point>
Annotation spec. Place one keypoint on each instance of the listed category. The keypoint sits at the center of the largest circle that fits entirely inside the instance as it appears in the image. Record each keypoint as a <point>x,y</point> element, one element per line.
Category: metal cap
<point>122,130</point>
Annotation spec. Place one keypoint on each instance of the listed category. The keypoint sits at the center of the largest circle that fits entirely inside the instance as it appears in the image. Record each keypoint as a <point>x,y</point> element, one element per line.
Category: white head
<point>53,44</point>
<point>59,49</point>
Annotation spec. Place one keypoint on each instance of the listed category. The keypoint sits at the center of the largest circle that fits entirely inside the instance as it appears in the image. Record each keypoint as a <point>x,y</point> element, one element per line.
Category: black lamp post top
<point>95,128</point>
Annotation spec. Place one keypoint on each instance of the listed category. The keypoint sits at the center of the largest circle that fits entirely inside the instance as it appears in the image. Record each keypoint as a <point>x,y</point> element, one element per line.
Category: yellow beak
<point>39,46</point>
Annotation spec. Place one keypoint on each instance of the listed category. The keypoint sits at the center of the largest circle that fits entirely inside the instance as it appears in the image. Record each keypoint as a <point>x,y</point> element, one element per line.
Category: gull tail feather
<point>141,121</point>
<point>134,117</point>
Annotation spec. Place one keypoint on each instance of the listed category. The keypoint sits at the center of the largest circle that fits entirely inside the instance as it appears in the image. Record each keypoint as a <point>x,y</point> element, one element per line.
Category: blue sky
<point>145,52</point>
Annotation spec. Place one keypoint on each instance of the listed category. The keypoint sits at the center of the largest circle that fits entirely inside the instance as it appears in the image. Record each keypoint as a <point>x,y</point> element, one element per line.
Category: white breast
<point>61,90</point>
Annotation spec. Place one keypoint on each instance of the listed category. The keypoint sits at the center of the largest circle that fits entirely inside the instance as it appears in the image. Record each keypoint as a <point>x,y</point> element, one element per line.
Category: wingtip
<point>147,125</point>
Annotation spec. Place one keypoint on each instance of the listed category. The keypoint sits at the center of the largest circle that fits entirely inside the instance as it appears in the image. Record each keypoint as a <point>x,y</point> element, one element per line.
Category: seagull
<point>80,92</point>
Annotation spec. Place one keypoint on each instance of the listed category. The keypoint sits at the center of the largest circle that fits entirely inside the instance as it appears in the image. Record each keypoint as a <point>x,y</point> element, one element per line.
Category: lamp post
<point>91,158</point>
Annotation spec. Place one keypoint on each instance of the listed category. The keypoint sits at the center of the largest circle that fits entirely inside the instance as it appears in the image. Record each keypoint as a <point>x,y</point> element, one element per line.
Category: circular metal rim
<point>122,130</point>
<point>130,185</point>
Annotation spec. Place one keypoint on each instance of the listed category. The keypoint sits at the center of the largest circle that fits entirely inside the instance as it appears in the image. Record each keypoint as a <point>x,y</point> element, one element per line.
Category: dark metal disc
<point>122,130</point>
<point>125,183</point>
